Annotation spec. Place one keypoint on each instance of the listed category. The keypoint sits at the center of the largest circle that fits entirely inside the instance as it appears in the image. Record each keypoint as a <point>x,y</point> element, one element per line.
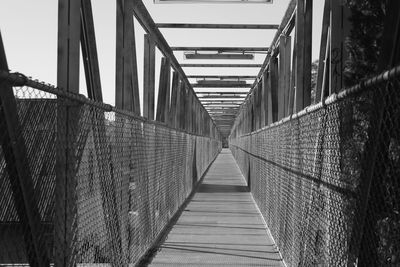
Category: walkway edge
<point>148,256</point>
<point>268,230</point>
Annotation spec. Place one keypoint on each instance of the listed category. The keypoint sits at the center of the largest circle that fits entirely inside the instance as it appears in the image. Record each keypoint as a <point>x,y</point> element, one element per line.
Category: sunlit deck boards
<point>221,226</point>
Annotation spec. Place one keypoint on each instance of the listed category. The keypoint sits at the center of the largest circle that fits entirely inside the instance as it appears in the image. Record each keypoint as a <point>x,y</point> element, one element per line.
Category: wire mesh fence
<point>104,183</point>
<point>327,180</point>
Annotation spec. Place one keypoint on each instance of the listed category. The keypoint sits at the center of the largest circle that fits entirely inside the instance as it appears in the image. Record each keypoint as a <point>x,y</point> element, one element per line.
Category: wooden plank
<point>163,91</point>
<point>17,165</point>
<point>149,79</point>
<point>220,48</point>
<point>322,52</point>
<point>89,52</point>
<point>218,26</point>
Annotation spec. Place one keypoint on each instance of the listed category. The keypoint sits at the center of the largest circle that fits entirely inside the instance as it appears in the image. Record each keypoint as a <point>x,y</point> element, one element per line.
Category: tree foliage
<point>364,42</point>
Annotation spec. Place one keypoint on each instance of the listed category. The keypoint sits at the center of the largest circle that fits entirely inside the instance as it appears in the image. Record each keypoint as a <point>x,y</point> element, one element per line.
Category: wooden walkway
<point>221,226</point>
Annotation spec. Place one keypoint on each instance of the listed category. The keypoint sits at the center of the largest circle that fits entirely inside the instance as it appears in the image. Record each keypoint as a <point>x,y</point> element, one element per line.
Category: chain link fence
<point>327,179</point>
<point>104,183</point>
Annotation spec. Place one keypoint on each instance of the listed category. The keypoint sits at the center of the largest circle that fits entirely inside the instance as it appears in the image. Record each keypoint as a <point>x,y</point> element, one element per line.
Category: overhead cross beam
<point>218,26</point>
<point>220,49</point>
<point>221,77</point>
<point>232,98</point>
<point>221,93</point>
<point>218,84</point>
<point>217,56</point>
<point>221,65</point>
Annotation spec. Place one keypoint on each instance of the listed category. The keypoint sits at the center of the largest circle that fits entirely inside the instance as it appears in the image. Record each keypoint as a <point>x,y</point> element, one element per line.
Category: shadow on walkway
<point>221,225</point>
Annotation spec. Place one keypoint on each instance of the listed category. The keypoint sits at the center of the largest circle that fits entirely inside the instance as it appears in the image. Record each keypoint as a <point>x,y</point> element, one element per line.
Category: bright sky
<point>29,31</point>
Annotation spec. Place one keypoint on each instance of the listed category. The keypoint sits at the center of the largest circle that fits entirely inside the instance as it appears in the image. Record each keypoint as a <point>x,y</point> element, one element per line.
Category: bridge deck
<point>221,226</point>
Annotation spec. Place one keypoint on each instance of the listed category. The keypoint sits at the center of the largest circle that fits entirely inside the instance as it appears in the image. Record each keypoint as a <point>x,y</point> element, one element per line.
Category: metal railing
<point>105,182</point>
<point>327,179</point>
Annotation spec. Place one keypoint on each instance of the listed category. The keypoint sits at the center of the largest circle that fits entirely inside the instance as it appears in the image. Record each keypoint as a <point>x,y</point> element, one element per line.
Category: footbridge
<point>278,160</point>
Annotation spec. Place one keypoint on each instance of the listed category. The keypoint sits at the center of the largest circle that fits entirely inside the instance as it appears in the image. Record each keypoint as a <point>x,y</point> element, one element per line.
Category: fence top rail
<point>18,80</point>
<point>358,88</point>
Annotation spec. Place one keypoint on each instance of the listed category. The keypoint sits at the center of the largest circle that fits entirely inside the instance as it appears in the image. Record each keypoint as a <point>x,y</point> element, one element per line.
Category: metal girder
<point>206,82</point>
<point>221,65</point>
<point>217,56</point>
<point>89,53</point>
<point>222,104</point>
<point>220,48</point>
<point>20,177</point>
<point>213,1</point>
<point>286,19</point>
<point>222,77</point>
<point>222,93</point>
<point>218,26</point>
<point>221,97</point>
<point>221,109</point>
<point>149,62</point>
<point>211,101</point>
<point>144,18</point>
<point>221,85</point>
<point>126,75</point>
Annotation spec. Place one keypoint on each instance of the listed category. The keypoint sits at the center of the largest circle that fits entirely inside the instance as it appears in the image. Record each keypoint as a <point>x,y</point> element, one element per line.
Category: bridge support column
<point>303,54</point>
<point>126,77</point>
<point>149,79</point>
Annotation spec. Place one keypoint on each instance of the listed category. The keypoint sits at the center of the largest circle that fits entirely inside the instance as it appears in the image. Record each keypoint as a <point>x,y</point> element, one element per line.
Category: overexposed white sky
<point>29,31</point>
